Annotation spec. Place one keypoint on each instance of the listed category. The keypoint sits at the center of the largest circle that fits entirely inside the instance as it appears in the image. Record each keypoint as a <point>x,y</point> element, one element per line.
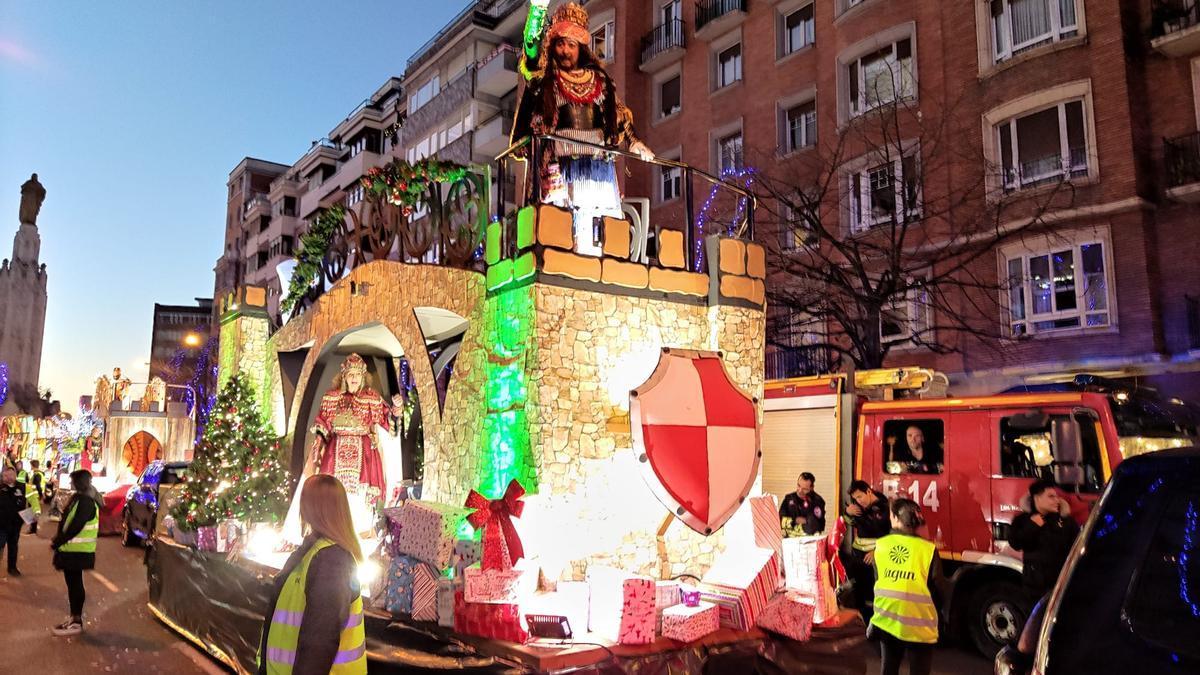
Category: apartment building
<point>271,204</point>
<point>1104,96</point>
<point>175,328</point>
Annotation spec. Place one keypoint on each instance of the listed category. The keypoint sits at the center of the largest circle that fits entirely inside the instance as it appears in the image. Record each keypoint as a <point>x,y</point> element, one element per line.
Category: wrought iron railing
<point>664,37</point>
<point>1182,158</point>
<point>708,11</point>
<point>783,363</point>
<point>1172,16</point>
<point>534,149</point>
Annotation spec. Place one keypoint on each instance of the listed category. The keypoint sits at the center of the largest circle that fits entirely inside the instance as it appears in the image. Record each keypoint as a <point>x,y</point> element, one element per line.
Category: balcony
<point>783,363</point>
<point>323,151</point>
<point>663,46</point>
<point>257,205</point>
<point>714,17</point>
<point>1175,27</point>
<point>1182,159</point>
<point>497,75</point>
<point>491,137</point>
<point>355,167</point>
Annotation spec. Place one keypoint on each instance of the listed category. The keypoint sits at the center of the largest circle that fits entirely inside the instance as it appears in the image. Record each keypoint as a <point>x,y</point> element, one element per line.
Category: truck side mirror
<point>1068,452</point>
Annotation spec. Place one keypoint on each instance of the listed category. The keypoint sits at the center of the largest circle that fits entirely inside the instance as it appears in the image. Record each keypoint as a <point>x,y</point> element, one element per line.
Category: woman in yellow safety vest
<point>75,546</point>
<point>315,624</point>
<point>908,574</point>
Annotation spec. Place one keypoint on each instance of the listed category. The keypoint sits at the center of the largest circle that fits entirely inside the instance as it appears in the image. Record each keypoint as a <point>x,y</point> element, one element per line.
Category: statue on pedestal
<point>32,196</point>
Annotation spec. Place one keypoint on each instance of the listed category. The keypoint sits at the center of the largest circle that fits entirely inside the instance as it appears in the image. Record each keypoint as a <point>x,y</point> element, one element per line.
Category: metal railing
<point>1182,158</point>
<point>708,11</point>
<point>534,147</point>
<point>1172,16</point>
<point>664,37</point>
<point>784,363</point>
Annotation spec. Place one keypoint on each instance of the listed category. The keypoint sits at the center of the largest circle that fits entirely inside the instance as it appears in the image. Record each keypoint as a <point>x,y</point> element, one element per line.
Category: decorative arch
<point>139,450</point>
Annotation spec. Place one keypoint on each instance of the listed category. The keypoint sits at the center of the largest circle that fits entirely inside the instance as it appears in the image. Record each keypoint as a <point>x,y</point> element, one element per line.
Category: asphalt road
<point>121,636</point>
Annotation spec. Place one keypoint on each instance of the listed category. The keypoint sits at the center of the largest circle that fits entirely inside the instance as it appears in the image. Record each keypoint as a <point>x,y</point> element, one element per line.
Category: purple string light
<point>746,176</point>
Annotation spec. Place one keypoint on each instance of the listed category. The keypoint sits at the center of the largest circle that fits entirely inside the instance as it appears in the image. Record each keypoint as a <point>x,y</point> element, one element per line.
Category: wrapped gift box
<point>446,589</point>
<point>497,622</point>
<point>686,624</point>
<point>501,586</point>
<point>411,587</point>
<point>666,594</point>
<point>622,606</point>
<point>206,538</point>
<point>749,575</point>
<point>467,552</point>
<point>428,531</point>
<point>788,613</point>
<point>768,534</point>
<point>229,532</point>
<point>807,572</point>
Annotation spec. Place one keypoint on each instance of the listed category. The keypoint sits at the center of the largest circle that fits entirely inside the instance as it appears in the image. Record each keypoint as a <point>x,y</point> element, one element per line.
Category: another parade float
<point>549,436</point>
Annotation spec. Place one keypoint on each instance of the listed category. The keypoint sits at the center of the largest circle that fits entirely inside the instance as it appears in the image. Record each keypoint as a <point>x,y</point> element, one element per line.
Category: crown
<point>571,21</point>
<point>354,362</point>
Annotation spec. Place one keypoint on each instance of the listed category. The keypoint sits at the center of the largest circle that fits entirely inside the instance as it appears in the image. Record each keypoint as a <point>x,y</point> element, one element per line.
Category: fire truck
<point>978,457</point>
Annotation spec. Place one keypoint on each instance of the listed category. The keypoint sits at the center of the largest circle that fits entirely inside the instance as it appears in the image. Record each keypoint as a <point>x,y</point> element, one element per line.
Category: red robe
<point>349,451</point>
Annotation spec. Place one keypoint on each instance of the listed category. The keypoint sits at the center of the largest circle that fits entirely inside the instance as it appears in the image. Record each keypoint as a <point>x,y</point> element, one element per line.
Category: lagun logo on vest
<point>899,554</point>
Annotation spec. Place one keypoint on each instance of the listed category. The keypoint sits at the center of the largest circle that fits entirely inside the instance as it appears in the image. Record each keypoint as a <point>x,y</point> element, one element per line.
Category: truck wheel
<point>995,616</point>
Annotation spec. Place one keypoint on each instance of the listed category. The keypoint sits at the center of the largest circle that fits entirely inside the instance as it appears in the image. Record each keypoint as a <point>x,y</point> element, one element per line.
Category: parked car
<point>141,502</point>
<point>1128,598</point>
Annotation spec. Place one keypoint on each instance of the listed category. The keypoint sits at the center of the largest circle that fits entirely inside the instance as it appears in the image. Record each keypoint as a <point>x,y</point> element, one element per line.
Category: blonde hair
<point>325,509</point>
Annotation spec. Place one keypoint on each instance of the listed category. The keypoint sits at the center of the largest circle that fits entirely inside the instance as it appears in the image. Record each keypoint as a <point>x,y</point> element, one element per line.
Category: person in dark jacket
<point>803,511</point>
<point>867,513</point>
<point>1044,534</point>
<point>12,503</point>
<point>315,618</point>
<point>75,547</point>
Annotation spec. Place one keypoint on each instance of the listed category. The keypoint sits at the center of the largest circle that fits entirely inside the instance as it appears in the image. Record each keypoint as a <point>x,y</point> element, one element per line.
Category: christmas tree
<point>237,471</point>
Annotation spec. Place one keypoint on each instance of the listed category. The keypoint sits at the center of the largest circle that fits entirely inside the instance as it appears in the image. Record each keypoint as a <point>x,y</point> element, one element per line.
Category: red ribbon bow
<point>501,544</point>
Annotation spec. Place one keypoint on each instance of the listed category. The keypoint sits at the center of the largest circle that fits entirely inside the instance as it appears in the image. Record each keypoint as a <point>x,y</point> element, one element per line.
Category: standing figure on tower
<point>344,443</point>
<point>568,93</point>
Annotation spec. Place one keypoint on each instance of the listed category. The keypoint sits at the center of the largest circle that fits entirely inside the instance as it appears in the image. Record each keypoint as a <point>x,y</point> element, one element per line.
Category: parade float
<point>547,428</point>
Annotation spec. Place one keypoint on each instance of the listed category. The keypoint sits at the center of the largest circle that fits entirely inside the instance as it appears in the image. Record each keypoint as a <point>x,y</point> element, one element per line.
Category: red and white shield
<point>696,435</point>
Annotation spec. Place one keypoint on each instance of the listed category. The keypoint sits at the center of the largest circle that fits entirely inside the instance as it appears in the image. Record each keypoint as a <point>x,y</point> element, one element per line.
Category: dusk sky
<point>134,113</point>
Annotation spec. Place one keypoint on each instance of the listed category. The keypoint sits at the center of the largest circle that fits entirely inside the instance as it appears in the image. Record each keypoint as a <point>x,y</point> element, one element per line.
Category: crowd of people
<point>895,572</point>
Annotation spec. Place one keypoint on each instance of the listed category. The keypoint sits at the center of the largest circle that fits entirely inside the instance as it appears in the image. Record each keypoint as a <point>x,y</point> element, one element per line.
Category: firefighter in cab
<point>907,588</point>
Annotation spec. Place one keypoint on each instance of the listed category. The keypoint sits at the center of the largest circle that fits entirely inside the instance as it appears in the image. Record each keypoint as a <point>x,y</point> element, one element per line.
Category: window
<point>1021,25</point>
<point>1043,146</point>
<point>1029,453</point>
<point>424,94</point>
<point>798,30</point>
<point>913,446</point>
<point>797,226</point>
<point>881,77</point>
<point>1060,289</point>
<point>906,317</point>
<point>800,125</point>
<point>884,192</point>
<point>729,66</point>
<point>602,41</point>
<point>672,182</point>
<point>669,97</point>
<point>671,12</point>
<point>729,153</point>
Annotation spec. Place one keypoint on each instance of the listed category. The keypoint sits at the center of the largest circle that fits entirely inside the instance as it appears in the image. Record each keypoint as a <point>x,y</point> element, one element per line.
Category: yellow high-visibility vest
<point>283,636</point>
<point>85,541</point>
<point>903,605</point>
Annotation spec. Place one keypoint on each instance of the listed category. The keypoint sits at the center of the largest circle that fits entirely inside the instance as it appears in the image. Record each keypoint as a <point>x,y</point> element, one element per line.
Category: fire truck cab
<point>967,461</point>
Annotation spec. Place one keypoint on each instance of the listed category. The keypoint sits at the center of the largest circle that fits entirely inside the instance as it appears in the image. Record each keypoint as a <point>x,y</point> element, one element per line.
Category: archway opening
<point>141,449</point>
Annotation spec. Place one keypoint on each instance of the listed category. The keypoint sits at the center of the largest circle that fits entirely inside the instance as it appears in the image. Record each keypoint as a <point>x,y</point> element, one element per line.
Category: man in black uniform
<point>1044,534</point>
<point>868,514</point>
<point>803,511</point>
<point>12,503</point>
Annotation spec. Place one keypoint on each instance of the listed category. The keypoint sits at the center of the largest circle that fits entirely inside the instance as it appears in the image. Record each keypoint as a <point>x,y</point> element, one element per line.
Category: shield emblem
<point>696,436</point>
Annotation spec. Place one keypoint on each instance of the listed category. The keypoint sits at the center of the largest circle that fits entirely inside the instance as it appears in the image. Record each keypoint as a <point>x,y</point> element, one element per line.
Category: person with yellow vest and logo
<point>315,624</point>
<point>75,546</point>
<point>908,577</point>
<point>34,483</point>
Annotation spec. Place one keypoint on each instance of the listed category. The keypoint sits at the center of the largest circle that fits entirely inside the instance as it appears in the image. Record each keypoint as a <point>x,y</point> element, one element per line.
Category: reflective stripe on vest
<point>283,634</point>
<point>864,544</point>
<point>85,541</point>
<point>903,606</point>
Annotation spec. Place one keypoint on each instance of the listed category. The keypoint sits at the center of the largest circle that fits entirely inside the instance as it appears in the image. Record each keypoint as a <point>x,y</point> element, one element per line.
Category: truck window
<point>913,446</point>
<point>1026,453</point>
<point>1163,605</point>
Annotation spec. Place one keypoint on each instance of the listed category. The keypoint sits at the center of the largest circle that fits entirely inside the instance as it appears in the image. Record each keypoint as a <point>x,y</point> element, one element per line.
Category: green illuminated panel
<point>506,445</point>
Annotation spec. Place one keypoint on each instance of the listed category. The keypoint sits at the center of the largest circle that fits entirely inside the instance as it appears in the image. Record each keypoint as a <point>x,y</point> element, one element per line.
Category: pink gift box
<point>498,586</point>
<point>666,594</point>
<point>768,534</point>
<point>751,576</point>
<point>427,531</point>
<point>622,608</point>
<point>686,624</point>
<point>788,613</point>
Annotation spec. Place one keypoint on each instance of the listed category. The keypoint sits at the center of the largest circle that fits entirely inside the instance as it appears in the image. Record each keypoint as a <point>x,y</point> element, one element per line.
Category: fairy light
<point>746,175</point>
<point>1185,559</point>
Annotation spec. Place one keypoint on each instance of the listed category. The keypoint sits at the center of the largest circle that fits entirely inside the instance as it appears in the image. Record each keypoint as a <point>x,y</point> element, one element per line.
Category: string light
<point>746,175</point>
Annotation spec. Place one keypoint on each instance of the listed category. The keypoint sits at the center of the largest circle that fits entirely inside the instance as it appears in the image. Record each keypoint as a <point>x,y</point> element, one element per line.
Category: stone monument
<point>23,301</point>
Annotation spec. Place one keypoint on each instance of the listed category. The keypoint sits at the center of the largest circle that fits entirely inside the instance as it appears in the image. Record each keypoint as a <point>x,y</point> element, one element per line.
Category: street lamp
<point>192,340</point>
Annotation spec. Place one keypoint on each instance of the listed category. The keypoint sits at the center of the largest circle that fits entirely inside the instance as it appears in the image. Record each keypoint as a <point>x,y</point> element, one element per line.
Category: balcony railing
<point>664,37</point>
<point>784,363</point>
<point>1172,16</point>
<point>708,11</point>
<point>1047,169</point>
<point>257,199</point>
<point>1182,157</point>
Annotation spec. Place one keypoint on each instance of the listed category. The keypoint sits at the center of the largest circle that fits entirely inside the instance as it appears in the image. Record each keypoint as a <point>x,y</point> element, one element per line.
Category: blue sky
<point>133,113</point>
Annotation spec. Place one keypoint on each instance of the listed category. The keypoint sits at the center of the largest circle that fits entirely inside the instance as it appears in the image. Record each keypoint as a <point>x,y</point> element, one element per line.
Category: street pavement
<point>121,636</point>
